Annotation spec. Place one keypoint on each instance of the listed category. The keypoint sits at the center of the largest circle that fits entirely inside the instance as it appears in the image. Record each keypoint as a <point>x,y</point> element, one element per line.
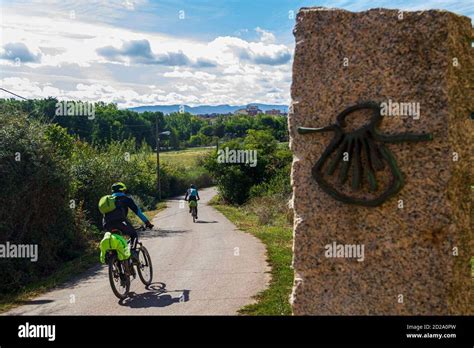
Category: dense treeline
<point>108,124</point>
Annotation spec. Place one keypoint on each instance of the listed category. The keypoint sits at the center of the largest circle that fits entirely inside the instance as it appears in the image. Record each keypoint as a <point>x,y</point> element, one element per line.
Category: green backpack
<point>107,204</point>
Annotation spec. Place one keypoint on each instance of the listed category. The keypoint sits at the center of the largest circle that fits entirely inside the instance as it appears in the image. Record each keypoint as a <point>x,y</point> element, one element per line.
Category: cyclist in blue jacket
<point>117,219</point>
<point>192,195</point>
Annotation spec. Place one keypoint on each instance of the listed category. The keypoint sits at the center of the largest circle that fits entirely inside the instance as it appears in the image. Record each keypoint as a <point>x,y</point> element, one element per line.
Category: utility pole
<point>158,182</point>
<point>158,188</point>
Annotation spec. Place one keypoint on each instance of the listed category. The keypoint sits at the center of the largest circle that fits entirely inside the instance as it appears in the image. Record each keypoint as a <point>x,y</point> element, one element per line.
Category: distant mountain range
<point>207,109</point>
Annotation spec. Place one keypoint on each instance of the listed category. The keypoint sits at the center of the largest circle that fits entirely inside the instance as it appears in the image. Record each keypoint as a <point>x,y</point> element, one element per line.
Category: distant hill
<point>207,109</point>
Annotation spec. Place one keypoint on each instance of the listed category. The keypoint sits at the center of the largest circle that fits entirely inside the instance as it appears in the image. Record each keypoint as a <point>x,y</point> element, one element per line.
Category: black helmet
<point>192,186</point>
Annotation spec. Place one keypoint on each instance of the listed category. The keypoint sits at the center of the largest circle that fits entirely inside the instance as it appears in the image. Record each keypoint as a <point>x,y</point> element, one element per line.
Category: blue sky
<point>136,52</point>
<point>207,18</point>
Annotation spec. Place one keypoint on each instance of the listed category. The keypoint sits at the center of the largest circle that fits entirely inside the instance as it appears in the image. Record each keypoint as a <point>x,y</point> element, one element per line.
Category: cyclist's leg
<point>126,228</point>
<point>130,231</point>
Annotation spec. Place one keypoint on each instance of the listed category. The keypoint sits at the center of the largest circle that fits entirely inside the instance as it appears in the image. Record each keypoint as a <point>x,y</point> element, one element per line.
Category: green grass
<point>66,272</point>
<point>187,158</point>
<point>278,241</point>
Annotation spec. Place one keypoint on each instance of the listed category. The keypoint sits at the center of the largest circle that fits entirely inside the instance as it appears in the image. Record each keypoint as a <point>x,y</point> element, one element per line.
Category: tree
<point>113,124</point>
<point>219,129</point>
<point>195,140</point>
<point>174,140</point>
<point>208,131</point>
<point>235,180</point>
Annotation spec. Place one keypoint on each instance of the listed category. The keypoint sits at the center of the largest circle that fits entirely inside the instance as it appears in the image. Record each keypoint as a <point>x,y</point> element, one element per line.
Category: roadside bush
<point>35,202</point>
<point>237,182</point>
<point>95,169</point>
<point>277,184</point>
<point>233,184</point>
<point>175,179</point>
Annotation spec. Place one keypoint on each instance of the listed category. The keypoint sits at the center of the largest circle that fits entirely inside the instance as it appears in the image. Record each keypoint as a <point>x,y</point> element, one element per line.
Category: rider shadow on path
<point>159,296</point>
<point>206,222</point>
<point>34,302</point>
<point>162,233</point>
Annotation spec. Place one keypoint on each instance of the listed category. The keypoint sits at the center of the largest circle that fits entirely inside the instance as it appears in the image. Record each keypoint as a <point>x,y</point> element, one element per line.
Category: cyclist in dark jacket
<point>117,219</point>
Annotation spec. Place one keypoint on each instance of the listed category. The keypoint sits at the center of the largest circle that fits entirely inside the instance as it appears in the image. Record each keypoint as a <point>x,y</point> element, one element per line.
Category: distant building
<point>241,112</point>
<point>273,112</point>
<point>253,110</point>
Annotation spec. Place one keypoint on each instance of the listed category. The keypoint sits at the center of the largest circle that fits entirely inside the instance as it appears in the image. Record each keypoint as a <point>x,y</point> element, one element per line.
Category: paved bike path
<point>202,268</point>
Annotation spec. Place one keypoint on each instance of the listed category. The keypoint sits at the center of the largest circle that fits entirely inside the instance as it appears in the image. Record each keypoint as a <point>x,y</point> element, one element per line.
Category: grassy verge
<point>277,238</point>
<point>66,272</point>
<point>187,158</point>
<point>184,167</point>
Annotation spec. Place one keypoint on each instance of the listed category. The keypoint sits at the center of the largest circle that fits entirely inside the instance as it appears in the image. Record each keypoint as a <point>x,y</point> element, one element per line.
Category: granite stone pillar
<point>409,253</point>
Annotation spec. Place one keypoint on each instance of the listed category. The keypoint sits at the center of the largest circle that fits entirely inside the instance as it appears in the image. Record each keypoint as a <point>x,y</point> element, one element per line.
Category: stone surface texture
<point>408,251</point>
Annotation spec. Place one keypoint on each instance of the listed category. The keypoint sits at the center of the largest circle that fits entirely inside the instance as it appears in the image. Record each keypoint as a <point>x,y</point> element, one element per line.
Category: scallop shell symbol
<point>344,156</point>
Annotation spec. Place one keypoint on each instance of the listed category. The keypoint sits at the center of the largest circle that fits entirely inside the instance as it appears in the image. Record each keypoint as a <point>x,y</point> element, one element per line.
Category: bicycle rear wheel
<point>144,266</point>
<point>119,281</point>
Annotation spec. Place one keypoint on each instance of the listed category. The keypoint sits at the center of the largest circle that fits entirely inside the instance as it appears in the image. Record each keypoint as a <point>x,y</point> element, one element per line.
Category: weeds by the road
<point>276,234</point>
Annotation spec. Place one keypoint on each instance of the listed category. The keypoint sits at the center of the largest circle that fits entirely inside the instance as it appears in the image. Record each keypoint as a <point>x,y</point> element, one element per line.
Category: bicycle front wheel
<point>145,267</point>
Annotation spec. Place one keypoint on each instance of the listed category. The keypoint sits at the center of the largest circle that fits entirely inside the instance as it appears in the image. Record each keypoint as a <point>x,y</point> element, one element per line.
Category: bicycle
<point>121,271</point>
<point>193,206</point>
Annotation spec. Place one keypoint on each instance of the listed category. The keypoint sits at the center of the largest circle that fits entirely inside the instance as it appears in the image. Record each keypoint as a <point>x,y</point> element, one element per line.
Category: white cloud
<point>186,88</point>
<point>265,36</point>
<point>198,75</point>
<point>252,52</point>
<point>130,4</point>
<point>77,60</point>
<point>25,87</point>
<point>19,53</point>
<point>88,92</point>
